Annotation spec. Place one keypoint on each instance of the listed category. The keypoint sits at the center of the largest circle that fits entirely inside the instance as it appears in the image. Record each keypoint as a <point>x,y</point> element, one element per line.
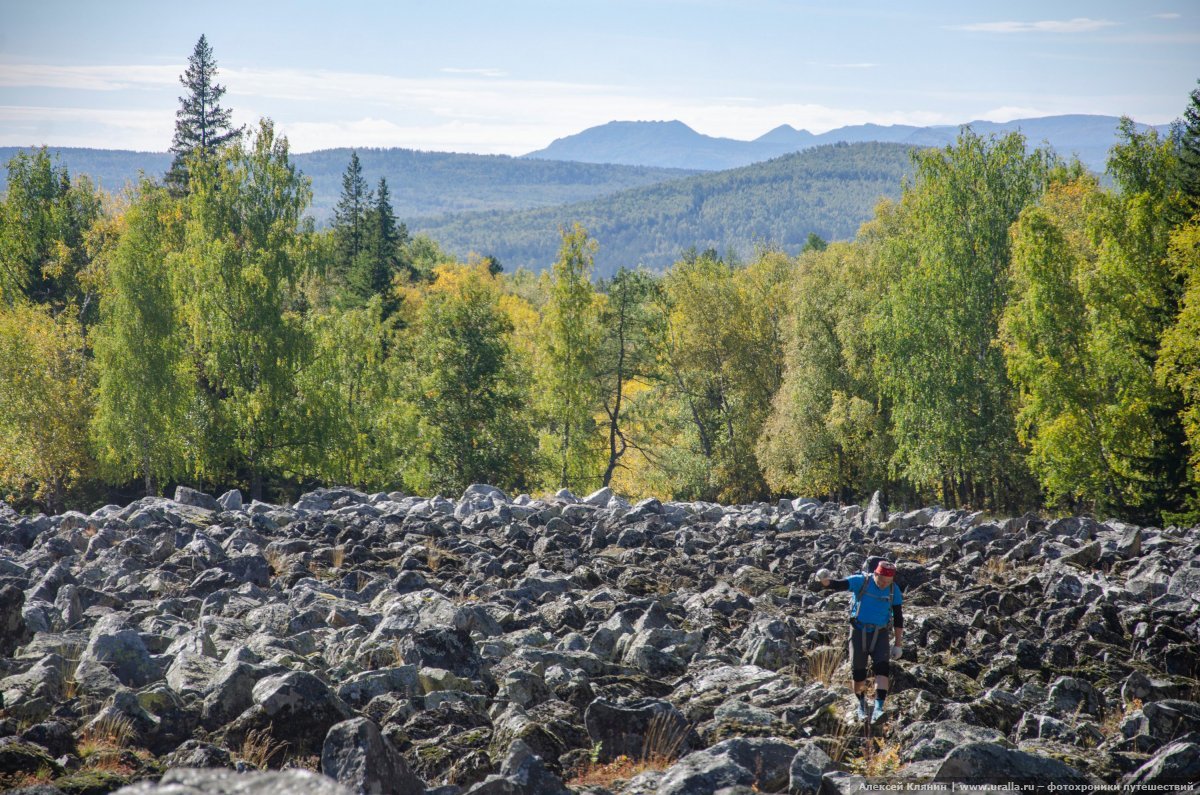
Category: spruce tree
<point>350,219</point>
<point>381,256</point>
<point>1187,132</point>
<point>201,124</point>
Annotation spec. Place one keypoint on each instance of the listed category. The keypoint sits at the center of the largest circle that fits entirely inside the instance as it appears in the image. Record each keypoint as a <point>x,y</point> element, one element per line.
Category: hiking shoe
<point>877,714</point>
<point>861,710</point>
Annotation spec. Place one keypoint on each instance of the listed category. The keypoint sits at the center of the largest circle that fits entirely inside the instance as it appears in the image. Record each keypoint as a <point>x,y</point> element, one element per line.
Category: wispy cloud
<point>88,78</point>
<point>1077,25</point>
<point>1170,15</point>
<point>477,72</point>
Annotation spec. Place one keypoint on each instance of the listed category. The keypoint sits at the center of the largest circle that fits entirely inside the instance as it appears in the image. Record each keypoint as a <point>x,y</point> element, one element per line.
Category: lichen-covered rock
<point>992,763</point>
<point>356,755</point>
<point>13,630</point>
<point>188,781</point>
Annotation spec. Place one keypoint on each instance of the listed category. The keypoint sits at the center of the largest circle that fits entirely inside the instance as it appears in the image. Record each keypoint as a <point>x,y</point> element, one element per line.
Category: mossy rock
<point>725,730</point>
<point>21,758</point>
<point>92,782</point>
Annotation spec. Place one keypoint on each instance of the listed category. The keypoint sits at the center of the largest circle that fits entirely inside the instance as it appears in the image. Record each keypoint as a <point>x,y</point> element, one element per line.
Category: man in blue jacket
<point>874,612</point>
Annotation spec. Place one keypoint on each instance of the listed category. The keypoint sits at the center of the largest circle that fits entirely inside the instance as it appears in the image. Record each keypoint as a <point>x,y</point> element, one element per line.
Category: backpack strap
<point>856,608</point>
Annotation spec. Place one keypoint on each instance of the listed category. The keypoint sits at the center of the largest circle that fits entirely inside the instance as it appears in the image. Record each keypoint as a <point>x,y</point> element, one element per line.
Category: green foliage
<point>467,388</point>
<point>201,125</point>
<point>357,426</point>
<point>1093,293</point>
<point>720,365</point>
<point>236,277</point>
<point>1187,133</point>
<point>952,408</point>
<point>44,223</point>
<point>383,259</point>
<point>828,432</point>
<point>145,388</point>
<point>630,333</point>
<point>350,218</point>
<point>1178,365</point>
<point>45,401</point>
<point>567,386</point>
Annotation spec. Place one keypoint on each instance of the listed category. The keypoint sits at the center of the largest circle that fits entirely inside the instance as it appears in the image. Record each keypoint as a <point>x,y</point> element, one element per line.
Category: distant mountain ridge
<point>673,144</point>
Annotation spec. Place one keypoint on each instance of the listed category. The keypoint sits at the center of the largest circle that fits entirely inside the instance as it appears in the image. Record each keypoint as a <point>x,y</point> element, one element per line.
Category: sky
<point>511,76</point>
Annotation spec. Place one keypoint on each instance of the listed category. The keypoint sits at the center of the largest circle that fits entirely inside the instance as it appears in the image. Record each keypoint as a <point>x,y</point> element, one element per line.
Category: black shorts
<point>861,647</point>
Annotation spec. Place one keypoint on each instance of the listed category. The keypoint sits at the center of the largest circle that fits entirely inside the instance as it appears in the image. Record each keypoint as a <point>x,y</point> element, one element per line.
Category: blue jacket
<point>876,607</point>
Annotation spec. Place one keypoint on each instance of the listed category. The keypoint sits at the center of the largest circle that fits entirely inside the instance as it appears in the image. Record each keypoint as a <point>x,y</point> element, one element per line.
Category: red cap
<point>886,569</point>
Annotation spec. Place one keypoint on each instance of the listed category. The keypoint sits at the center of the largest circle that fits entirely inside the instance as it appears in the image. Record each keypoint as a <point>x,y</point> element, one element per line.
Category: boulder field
<point>488,645</point>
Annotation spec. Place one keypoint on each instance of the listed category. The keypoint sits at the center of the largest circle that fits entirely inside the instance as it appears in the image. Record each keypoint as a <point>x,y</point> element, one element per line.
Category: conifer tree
<point>350,218</point>
<point>382,255</point>
<point>201,124</point>
<point>1187,132</point>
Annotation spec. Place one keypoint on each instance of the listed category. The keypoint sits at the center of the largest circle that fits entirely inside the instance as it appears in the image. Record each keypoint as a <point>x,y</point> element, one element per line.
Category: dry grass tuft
<point>275,560</point>
<point>1115,717</point>
<point>660,748</point>
<point>996,570</point>
<point>109,733</point>
<point>883,762</point>
<point>824,663</point>
<point>844,738</point>
<point>664,737</point>
<point>338,556</point>
<point>605,775</point>
<point>260,749</point>
<point>311,762</point>
<point>41,777</point>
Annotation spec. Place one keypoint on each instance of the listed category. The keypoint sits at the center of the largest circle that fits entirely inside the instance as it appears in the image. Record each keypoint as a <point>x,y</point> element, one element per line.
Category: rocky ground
<point>496,646</point>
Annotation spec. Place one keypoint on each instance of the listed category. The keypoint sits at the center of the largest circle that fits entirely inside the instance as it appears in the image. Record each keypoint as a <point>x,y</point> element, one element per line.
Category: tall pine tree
<point>201,124</point>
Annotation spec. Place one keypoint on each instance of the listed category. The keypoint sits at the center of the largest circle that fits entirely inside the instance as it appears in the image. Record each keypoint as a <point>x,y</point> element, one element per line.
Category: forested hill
<point>421,183</point>
<point>829,190</point>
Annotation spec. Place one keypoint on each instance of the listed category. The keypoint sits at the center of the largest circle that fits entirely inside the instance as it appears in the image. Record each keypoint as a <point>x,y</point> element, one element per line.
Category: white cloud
<point>88,78</point>
<point>1170,15</point>
<point>1077,25</point>
<point>480,72</point>
<point>97,128</point>
<point>844,65</point>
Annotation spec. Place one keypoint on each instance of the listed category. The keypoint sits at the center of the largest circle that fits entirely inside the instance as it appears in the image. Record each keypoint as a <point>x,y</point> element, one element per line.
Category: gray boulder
<point>296,708</point>
<point>876,512</point>
<point>122,651</point>
<point>768,758</point>
<point>230,500</point>
<point>808,766</point>
<point>935,739</point>
<point>521,773</point>
<point>623,729</point>
<point>196,499</point>
<point>13,630</point>
<point>1178,763</point>
<point>1069,695</point>
<point>702,772</point>
<point>194,753</point>
<point>190,781</point>
<point>991,763</point>
<point>357,755</point>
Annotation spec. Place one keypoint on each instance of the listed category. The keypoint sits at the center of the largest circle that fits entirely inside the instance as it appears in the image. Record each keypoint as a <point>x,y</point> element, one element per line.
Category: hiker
<point>875,610</point>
